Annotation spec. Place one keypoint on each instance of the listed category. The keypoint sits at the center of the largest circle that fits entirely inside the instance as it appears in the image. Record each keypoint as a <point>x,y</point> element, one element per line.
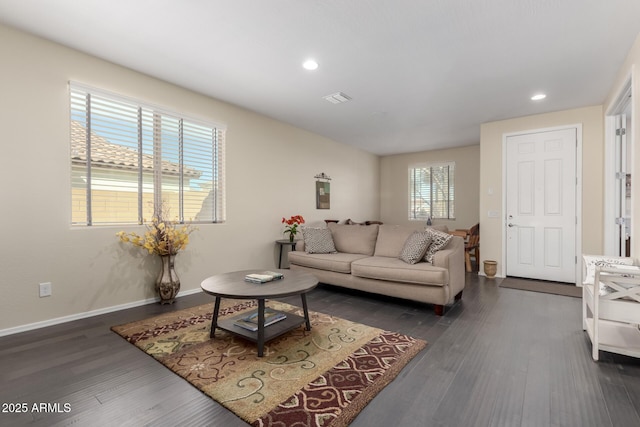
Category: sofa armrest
<point>443,257</point>
<point>300,245</point>
<point>452,258</point>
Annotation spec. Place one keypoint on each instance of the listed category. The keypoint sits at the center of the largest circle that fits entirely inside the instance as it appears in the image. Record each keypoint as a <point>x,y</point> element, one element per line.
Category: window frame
<point>188,133</point>
<point>450,196</point>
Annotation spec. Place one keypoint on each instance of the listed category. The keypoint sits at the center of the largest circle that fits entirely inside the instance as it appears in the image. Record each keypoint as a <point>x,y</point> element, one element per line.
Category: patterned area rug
<point>323,377</point>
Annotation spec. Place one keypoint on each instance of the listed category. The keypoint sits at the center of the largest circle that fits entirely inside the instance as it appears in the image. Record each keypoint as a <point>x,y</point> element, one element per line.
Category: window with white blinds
<point>129,160</point>
<point>431,191</point>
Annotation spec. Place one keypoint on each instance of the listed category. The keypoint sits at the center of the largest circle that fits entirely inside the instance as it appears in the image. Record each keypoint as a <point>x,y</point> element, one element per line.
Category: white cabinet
<point>611,310</point>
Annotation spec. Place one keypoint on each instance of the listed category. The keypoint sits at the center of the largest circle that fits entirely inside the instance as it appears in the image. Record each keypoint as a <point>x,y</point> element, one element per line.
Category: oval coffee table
<point>233,285</point>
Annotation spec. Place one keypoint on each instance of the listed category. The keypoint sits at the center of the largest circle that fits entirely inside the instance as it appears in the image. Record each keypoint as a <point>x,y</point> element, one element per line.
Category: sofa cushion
<point>395,270</point>
<point>439,240</point>
<point>442,228</point>
<point>415,247</point>
<point>354,239</point>
<point>391,239</point>
<point>318,241</point>
<point>339,262</point>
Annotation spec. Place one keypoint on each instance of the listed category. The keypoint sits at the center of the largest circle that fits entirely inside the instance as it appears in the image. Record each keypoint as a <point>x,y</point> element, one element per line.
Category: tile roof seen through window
<point>109,155</point>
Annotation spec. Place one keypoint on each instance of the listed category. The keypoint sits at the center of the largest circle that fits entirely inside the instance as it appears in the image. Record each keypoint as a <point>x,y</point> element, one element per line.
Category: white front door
<point>541,205</point>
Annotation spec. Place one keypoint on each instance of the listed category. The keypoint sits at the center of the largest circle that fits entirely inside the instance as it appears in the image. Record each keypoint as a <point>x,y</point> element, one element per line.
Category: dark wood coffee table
<point>233,285</point>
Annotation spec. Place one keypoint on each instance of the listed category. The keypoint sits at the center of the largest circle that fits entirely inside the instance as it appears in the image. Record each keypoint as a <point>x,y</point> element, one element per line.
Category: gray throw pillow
<point>318,241</point>
<point>415,247</point>
<point>438,241</point>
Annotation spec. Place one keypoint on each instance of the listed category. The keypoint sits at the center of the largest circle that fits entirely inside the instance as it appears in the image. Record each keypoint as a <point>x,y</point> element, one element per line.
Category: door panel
<point>541,211</point>
<point>526,181</point>
<point>553,187</point>
<point>553,247</point>
<point>526,246</point>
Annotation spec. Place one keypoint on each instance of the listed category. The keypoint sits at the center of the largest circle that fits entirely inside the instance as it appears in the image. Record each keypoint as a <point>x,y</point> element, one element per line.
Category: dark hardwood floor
<point>499,357</point>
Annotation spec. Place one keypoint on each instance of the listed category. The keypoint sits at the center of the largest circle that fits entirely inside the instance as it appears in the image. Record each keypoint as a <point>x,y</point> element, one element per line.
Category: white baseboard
<point>70,318</point>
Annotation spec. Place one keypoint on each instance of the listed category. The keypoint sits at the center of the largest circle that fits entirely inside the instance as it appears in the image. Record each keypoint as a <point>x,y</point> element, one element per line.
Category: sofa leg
<point>439,309</point>
<point>458,296</point>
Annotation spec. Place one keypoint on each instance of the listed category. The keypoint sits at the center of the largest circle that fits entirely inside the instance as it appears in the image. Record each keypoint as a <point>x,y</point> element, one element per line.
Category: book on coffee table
<point>250,321</point>
<point>264,277</point>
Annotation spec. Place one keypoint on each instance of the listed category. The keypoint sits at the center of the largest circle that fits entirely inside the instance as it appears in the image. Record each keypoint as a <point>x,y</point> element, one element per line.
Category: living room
<point>269,174</point>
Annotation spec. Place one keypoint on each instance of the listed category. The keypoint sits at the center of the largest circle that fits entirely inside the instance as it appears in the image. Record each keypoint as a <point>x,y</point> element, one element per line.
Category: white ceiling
<point>423,75</point>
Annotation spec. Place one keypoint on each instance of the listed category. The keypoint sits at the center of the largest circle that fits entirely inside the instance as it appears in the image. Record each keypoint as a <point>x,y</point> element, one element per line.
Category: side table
<point>282,243</point>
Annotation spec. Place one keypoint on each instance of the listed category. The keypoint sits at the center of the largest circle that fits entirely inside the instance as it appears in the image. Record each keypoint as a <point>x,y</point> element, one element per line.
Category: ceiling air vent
<point>337,98</point>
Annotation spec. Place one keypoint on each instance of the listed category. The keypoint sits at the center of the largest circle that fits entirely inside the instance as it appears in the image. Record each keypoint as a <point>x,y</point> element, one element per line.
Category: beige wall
<point>269,160</point>
<point>631,69</point>
<point>269,170</point>
<point>491,149</point>
<point>394,186</point>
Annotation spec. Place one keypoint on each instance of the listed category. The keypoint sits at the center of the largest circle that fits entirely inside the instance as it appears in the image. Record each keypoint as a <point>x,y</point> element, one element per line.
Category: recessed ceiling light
<point>310,65</point>
<point>538,97</point>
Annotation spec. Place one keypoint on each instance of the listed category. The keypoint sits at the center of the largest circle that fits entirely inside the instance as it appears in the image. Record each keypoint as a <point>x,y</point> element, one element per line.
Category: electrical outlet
<point>45,289</point>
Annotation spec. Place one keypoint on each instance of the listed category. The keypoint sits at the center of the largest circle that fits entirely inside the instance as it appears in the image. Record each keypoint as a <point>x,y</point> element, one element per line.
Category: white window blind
<point>129,159</point>
<point>431,191</point>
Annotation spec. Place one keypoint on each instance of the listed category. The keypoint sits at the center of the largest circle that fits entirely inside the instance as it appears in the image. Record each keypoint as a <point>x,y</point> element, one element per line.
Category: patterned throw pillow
<point>318,241</point>
<point>415,247</point>
<point>439,240</point>
<point>593,261</point>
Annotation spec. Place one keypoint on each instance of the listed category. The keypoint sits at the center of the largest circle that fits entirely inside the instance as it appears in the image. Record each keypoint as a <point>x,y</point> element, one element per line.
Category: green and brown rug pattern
<point>322,377</point>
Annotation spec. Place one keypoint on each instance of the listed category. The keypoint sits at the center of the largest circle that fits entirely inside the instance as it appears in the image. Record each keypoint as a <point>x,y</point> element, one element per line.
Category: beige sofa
<point>367,260</point>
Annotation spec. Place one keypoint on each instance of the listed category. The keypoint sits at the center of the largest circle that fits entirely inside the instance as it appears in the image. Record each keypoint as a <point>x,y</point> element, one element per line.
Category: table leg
<point>306,311</point>
<point>280,259</point>
<point>214,320</point>
<point>260,327</point>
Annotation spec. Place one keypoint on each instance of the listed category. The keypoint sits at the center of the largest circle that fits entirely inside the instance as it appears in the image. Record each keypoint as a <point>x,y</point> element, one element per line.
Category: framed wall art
<point>323,195</point>
<point>323,191</point>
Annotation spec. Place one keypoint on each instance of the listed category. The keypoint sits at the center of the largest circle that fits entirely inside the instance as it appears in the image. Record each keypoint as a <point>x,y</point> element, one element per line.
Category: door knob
<point>511,225</point>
